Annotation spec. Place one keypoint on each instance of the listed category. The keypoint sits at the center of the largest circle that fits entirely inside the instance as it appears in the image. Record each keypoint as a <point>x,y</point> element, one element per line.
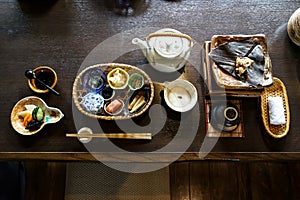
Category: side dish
<point>118,78</point>
<point>32,117</point>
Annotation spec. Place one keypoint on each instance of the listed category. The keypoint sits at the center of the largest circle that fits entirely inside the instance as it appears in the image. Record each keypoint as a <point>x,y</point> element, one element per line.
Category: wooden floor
<point>191,180</point>
<point>235,180</point>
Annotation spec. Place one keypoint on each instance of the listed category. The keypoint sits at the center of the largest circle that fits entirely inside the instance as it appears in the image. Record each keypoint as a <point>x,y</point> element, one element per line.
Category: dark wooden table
<point>67,35</point>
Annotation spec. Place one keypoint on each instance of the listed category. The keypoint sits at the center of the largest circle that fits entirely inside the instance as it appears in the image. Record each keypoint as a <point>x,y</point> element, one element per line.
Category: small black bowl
<point>224,117</point>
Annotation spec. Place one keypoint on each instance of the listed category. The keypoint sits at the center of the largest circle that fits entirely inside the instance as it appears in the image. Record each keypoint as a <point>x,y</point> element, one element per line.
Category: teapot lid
<point>169,43</point>
<point>168,46</point>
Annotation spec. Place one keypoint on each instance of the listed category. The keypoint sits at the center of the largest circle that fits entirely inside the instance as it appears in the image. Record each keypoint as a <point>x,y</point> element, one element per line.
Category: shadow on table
<point>274,144</point>
<point>127,7</point>
<point>281,40</point>
<point>36,6</point>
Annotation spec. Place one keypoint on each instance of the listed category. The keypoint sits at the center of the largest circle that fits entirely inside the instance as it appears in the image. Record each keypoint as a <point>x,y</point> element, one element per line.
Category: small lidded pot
<point>225,116</point>
<point>45,74</point>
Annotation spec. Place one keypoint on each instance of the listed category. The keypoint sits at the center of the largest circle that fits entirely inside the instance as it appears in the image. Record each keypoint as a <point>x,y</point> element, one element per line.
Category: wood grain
<point>132,136</point>
<point>45,180</point>
<point>215,180</point>
<point>180,181</point>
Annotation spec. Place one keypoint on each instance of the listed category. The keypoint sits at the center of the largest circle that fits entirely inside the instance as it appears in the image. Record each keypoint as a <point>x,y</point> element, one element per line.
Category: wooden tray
<point>125,94</point>
<point>277,89</point>
<point>227,81</point>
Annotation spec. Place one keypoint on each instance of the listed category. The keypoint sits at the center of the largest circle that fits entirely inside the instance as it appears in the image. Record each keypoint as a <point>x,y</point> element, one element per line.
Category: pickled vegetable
<point>113,106</point>
<point>38,114</point>
<point>33,125</point>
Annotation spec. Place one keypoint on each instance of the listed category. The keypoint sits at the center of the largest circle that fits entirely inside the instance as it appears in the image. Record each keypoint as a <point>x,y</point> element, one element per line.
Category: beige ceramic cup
<point>293,27</point>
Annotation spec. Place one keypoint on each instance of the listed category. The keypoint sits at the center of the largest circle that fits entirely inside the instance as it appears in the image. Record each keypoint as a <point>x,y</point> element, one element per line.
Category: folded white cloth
<point>276,110</point>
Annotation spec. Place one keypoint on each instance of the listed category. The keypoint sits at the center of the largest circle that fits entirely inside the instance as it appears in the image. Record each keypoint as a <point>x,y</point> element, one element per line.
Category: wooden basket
<point>224,79</point>
<point>277,89</point>
<point>79,91</point>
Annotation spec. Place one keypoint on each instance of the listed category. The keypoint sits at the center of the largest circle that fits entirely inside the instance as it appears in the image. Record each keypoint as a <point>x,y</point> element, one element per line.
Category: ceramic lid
<point>168,46</point>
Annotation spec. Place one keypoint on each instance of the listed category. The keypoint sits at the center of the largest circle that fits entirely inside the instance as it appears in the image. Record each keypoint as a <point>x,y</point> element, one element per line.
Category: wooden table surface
<point>70,35</point>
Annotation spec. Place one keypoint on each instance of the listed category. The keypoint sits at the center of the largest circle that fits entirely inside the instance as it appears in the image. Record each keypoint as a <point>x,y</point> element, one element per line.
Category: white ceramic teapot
<point>167,50</point>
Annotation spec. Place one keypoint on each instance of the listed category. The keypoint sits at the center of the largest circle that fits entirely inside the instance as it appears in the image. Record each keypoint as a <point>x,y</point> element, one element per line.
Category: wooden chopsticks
<point>136,136</point>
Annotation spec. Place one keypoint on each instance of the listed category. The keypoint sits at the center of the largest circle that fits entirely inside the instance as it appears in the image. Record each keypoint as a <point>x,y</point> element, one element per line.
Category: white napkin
<point>276,110</point>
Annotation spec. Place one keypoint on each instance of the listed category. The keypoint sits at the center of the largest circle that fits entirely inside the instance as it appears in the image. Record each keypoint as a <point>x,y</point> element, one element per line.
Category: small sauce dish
<point>136,81</point>
<point>114,107</point>
<point>45,74</point>
<point>118,78</point>
<point>107,93</point>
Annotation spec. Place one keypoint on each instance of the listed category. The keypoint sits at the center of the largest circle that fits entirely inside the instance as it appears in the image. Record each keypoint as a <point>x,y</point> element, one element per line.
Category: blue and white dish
<point>92,102</point>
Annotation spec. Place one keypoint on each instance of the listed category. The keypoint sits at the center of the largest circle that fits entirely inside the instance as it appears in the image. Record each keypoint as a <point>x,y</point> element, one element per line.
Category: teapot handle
<point>170,35</point>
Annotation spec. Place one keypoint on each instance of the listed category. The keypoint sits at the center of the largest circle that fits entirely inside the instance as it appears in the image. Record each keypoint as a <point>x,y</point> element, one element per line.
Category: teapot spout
<point>142,44</point>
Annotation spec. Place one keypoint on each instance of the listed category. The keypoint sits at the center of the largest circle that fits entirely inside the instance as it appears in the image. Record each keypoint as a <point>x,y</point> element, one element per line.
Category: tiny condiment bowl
<point>45,74</point>
<point>136,81</point>
<point>117,111</point>
<point>112,78</point>
<point>107,93</point>
<point>180,95</point>
<point>92,102</point>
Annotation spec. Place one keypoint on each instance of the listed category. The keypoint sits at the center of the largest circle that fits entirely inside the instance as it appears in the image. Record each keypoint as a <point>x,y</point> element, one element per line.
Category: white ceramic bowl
<point>180,95</point>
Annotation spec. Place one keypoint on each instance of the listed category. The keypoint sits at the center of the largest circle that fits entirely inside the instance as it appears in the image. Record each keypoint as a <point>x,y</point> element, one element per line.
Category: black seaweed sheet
<point>225,58</point>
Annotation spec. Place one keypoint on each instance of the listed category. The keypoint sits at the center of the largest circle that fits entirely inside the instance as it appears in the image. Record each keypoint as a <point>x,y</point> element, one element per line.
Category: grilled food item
<point>244,58</point>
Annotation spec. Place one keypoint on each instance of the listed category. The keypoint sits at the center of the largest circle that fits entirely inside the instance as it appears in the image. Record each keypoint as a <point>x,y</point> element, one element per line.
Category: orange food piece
<point>113,106</point>
<point>27,119</point>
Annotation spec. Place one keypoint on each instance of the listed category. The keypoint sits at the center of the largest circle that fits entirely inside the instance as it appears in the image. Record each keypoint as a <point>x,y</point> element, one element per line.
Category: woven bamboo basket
<point>79,91</point>
<point>277,89</point>
<point>225,80</point>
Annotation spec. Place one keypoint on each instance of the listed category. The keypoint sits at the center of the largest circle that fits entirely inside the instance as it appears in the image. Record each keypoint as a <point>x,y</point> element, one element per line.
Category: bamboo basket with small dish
<point>276,89</point>
<point>79,91</point>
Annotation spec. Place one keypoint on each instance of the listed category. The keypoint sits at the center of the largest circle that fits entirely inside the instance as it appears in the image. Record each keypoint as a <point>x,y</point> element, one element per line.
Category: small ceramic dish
<point>118,78</point>
<point>225,117</point>
<point>107,93</point>
<point>94,80</point>
<point>136,97</point>
<point>45,74</point>
<point>92,102</point>
<point>180,95</point>
<point>136,81</point>
<point>27,104</point>
<point>114,107</point>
